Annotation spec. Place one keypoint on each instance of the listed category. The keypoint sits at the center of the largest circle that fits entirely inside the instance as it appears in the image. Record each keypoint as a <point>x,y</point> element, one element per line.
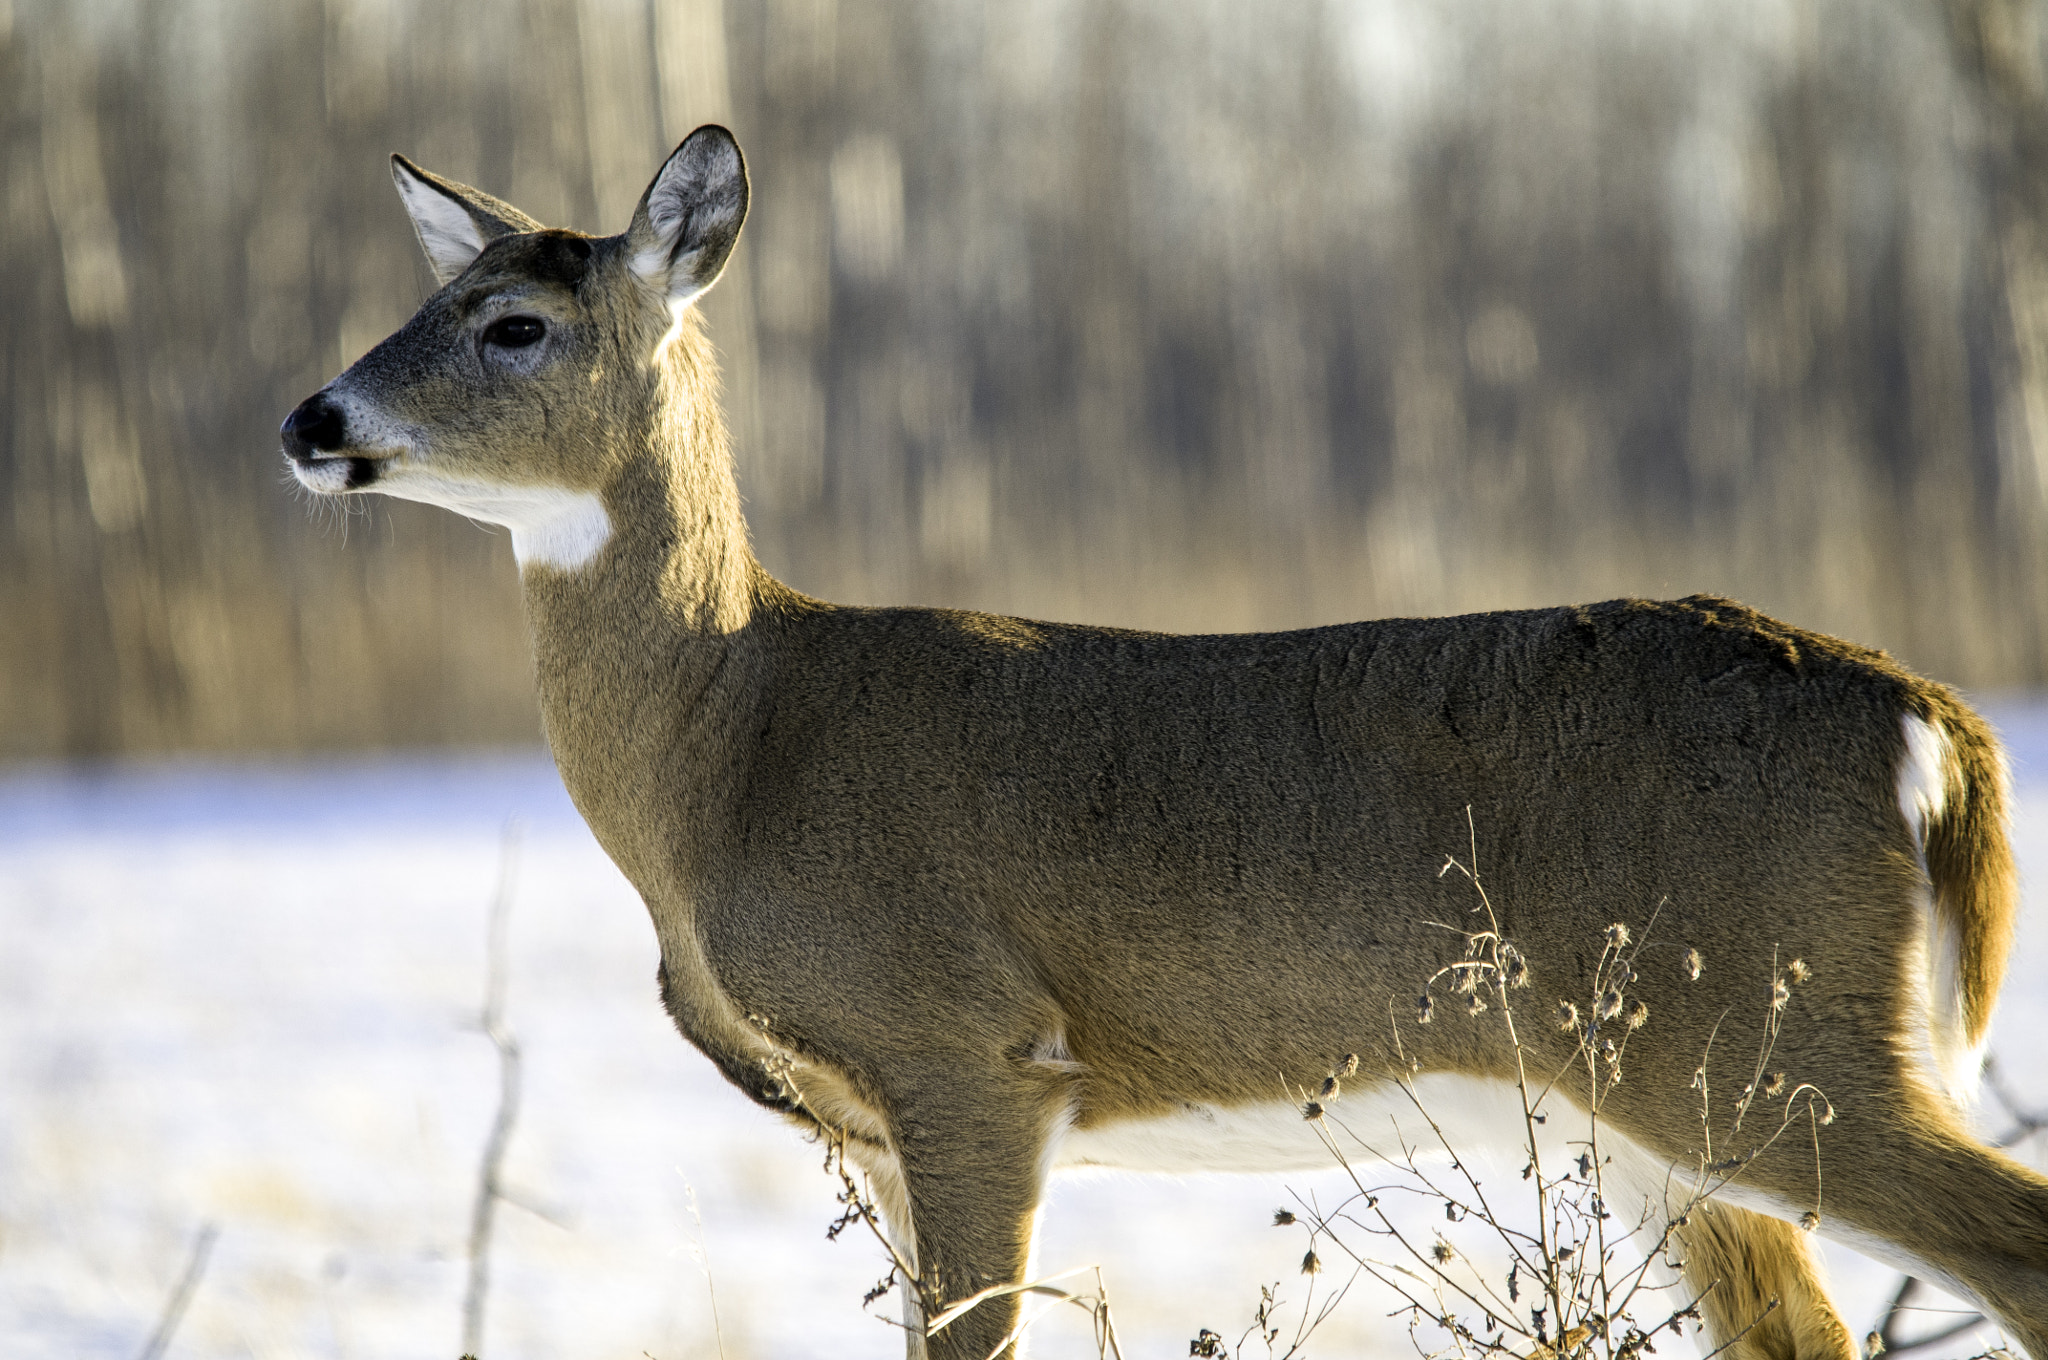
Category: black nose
<point>315,426</point>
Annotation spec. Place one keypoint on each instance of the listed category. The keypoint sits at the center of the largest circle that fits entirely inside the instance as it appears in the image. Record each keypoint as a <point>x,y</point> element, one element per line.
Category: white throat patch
<point>551,525</point>
<point>573,532</point>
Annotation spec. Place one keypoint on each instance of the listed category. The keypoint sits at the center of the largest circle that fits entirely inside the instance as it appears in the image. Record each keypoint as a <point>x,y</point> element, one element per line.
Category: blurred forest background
<point>1195,314</point>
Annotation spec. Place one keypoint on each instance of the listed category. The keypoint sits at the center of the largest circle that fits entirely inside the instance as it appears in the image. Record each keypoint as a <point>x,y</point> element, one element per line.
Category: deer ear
<point>689,218</point>
<point>454,221</point>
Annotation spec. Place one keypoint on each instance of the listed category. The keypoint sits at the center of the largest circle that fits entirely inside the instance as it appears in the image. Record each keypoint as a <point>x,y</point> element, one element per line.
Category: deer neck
<point>646,652</point>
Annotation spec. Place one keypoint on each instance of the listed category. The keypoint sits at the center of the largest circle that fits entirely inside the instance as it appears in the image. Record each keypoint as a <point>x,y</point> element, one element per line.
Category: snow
<point>247,995</point>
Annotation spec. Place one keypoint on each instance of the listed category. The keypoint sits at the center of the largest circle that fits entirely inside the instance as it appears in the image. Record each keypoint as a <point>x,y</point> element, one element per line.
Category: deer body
<point>991,895</point>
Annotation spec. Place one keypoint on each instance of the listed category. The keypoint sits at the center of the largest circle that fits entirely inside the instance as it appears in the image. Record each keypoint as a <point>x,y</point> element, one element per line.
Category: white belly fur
<point>1370,1122</point>
<point>1475,1119</point>
<point>1480,1119</point>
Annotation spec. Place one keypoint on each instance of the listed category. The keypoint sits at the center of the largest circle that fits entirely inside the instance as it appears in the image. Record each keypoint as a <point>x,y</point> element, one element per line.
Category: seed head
<point>1474,1004</point>
<point>1422,1009</point>
<point>1692,965</point>
<point>1283,1218</point>
<point>1312,1111</point>
<point>1617,936</point>
<point>1517,969</point>
<point>1638,1015</point>
<point>1330,1089</point>
<point>1468,981</point>
<point>1774,1085</point>
<point>1610,1004</point>
<point>1809,1220</point>
<point>1349,1067</point>
<point>1780,994</point>
<point>1827,1116</point>
<point>1567,1016</point>
<point>1441,1253</point>
<point>1799,971</point>
<point>1311,1264</point>
<point>1873,1345</point>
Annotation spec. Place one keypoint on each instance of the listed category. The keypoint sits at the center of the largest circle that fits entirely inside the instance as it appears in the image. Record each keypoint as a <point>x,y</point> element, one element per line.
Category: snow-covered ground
<point>247,996</point>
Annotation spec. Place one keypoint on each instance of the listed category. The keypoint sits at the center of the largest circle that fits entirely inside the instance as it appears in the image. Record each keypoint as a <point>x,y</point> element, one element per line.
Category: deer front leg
<point>970,1153</point>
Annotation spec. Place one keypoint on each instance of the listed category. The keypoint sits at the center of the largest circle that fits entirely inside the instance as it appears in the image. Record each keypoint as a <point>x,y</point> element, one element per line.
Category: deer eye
<point>514,332</point>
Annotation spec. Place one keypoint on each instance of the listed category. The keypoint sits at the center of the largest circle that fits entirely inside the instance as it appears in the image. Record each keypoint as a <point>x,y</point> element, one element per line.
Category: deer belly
<point>1430,1118</point>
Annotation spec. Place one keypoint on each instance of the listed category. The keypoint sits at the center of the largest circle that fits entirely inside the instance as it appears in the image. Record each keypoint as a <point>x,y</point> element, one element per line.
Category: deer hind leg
<point>1736,1263</point>
<point>1916,1190</point>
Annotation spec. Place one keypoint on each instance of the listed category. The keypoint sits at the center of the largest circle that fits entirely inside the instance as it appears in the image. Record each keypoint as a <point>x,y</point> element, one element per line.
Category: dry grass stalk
<point>1568,1293</point>
<point>490,1178</point>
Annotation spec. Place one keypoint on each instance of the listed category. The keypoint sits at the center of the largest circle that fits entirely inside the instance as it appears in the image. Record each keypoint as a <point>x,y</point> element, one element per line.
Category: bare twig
<point>181,1296</point>
<point>489,1186</point>
<point>702,1255</point>
<point>1566,1294</point>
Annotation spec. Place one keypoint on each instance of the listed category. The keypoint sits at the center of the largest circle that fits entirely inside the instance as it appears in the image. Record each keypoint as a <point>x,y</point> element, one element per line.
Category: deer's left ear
<point>689,219</point>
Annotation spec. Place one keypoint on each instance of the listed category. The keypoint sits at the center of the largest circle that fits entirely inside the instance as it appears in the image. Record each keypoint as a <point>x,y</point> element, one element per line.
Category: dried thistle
<point>1617,936</point>
<point>1780,994</point>
<point>1809,1220</point>
<point>1422,1009</point>
<point>1799,971</point>
<point>1873,1345</point>
<point>1330,1090</point>
<point>1468,981</point>
<point>1441,1252</point>
<point>1474,1004</point>
<point>1283,1218</point>
<point>1567,1016</point>
<point>1516,969</point>
<point>1638,1015</point>
<point>1610,1004</point>
<point>1692,965</point>
<point>1349,1067</point>
<point>1312,1111</point>
<point>1311,1264</point>
<point>1774,1085</point>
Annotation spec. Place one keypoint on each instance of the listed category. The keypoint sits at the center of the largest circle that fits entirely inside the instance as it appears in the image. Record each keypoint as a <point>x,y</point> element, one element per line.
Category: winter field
<point>247,996</point>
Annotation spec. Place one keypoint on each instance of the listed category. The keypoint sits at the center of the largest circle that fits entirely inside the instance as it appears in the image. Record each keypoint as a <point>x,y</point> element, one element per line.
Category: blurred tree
<point>1167,314</point>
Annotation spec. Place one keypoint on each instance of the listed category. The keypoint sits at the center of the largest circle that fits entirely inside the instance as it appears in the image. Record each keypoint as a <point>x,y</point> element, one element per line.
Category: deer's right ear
<point>454,221</point>
<point>689,218</point>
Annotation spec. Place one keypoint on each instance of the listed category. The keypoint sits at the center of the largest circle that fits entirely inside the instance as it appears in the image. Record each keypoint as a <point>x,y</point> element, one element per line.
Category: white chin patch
<point>328,476</point>
<point>551,526</point>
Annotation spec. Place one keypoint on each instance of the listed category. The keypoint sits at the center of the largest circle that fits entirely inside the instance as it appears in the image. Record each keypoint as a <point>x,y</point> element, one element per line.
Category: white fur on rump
<point>1953,1064</point>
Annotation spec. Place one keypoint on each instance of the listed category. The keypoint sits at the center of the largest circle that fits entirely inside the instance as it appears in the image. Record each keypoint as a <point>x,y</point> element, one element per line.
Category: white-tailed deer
<point>993,896</point>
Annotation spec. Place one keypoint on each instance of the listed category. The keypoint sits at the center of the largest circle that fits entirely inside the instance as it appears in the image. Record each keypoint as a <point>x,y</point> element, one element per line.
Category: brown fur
<point>1758,1280</point>
<point>893,855</point>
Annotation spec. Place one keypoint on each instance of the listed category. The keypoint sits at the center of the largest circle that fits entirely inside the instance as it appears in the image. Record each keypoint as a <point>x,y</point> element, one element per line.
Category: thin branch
<point>490,1186</point>
<point>702,1254</point>
<point>181,1296</point>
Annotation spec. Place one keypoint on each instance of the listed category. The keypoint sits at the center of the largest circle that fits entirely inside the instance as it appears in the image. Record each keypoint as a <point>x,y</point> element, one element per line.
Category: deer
<point>985,897</point>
